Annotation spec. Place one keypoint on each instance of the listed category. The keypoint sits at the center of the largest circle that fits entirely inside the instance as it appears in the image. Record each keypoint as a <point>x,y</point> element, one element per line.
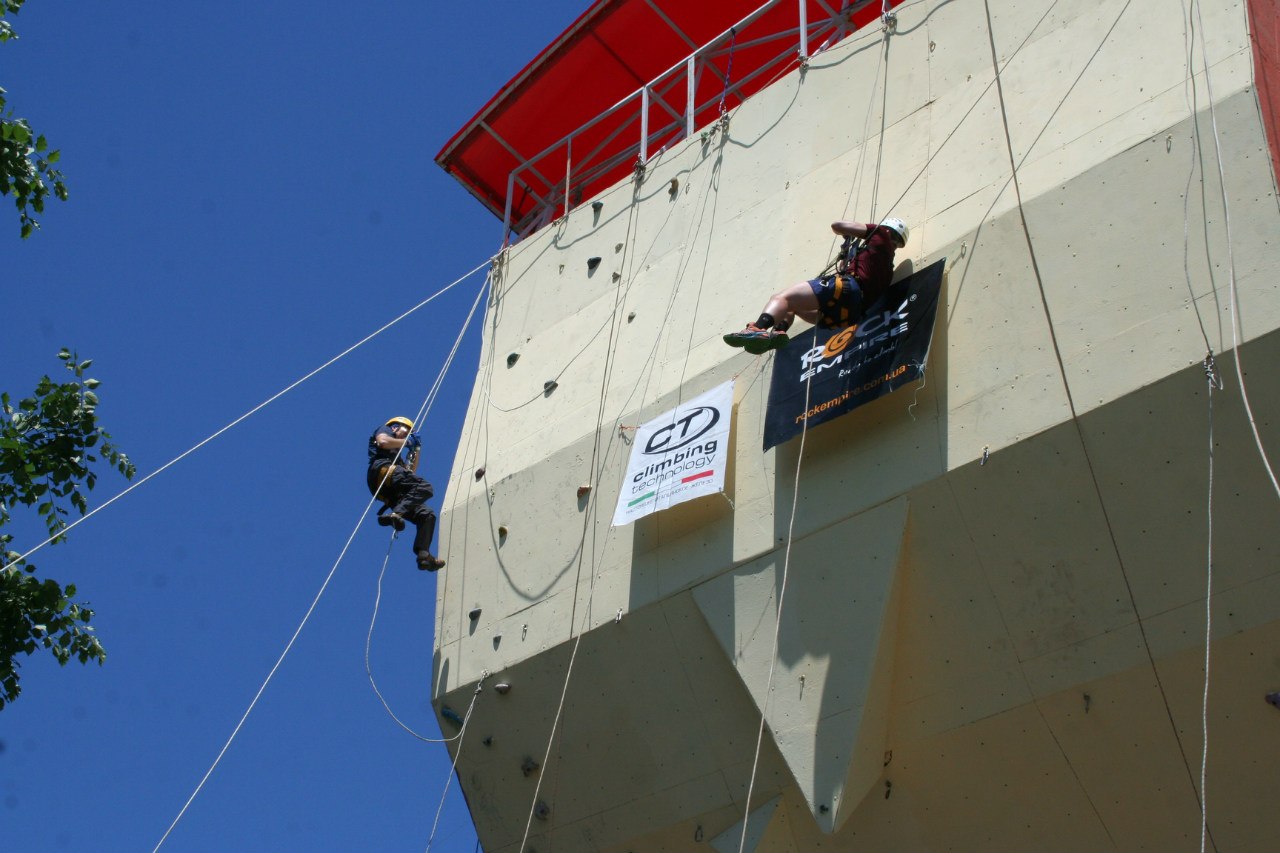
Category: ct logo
<point>687,430</point>
<point>837,343</point>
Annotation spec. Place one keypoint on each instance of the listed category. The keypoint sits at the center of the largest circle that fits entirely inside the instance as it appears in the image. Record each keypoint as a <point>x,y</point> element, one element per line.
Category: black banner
<point>847,367</point>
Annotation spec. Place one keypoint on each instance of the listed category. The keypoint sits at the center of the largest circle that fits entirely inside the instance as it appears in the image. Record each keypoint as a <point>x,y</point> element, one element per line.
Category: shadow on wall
<point>857,463</point>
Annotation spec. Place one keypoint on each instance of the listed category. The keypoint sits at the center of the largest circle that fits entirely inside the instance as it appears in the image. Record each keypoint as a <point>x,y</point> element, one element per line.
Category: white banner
<point>677,456</point>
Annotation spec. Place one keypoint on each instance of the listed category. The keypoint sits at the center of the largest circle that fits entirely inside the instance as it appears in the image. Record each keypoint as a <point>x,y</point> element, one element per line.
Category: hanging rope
<point>421,417</point>
<point>1211,376</point>
<point>733,41</point>
<point>453,769</point>
<point>1234,306</point>
<point>252,411</point>
<point>288,646</point>
<point>777,622</point>
<point>1075,418</point>
<point>588,517</point>
<point>369,670</point>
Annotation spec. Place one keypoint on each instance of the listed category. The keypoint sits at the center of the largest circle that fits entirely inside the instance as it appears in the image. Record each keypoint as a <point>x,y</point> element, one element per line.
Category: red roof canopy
<point>606,56</point>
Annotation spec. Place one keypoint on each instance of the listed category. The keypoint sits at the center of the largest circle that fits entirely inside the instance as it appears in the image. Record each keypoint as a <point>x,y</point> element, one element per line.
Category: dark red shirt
<point>872,266</point>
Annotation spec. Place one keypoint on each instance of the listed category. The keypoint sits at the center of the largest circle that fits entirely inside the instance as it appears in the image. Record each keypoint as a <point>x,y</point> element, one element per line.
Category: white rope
<point>369,670</point>
<point>453,769</point>
<point>1211,374</point>
<point>252,411</point>
<point>1231,259</point>
<point>296,633</point>
<point>777,623</point>
<point>269,675</point>
<point>597,464</point>
<point>422,413</point>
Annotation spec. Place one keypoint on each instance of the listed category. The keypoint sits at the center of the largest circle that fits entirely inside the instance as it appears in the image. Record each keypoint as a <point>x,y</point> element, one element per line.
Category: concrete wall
<point>930,591</point>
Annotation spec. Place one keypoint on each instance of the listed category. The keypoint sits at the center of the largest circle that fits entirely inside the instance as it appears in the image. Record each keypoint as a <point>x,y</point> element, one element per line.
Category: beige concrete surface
<point>997,584</point>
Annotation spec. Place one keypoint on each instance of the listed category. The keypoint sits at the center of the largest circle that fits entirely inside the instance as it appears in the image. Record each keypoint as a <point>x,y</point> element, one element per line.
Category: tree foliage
<point>50,445</point>
<point>27,170</point>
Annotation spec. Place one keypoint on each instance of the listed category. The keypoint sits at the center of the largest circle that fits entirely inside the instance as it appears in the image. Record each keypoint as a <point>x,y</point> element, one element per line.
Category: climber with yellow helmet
<point>393,479</point>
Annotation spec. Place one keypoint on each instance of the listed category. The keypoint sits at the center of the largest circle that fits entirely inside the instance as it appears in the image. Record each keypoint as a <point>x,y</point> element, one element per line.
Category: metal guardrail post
<point>804,29</point>
<point>506,216</point>
<point>568,172</point>
<point>644,124</point>
<point>691,94</point>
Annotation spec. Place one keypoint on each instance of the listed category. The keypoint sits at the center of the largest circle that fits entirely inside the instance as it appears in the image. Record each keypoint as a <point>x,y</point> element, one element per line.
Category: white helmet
<point>897,226</point>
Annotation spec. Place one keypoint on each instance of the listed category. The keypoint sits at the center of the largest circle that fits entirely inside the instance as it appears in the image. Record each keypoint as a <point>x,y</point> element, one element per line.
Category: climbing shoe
<point>427,562</point>
<point>391,519</point>
<point>756,340</point>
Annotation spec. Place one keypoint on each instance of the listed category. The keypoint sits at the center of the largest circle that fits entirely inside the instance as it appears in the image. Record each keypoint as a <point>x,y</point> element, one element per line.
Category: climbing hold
<point>488,740</point>
<point>542,811</point>
<point>450,715</point>
<point>497,641</point>
<point>474,614</point>
<point>502,687</point>
<point>617,276</point>
<point>888,788</point>
<point>528,767</point>
<point>584,490</point>
<point>617,247</point>
<point>618,618</point>
<point>675,187</point>
<point>986,454</point>
<point>480,473</point>
<point>512,358</point>
<point>1274,698</point>
<point>823,808</point>
<point>549,386</point>
<point>631,316</point>
<point>597,206</point>
<point>592,263</point>
<point>502,531</point>
<point>1088,700</point>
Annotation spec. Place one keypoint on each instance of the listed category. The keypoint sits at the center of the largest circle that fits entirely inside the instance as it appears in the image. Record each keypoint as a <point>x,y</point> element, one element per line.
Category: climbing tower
<point>973,613</point>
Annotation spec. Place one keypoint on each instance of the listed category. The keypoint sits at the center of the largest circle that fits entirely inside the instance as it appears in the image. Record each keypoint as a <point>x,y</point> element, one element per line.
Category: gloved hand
<point>412,443</point>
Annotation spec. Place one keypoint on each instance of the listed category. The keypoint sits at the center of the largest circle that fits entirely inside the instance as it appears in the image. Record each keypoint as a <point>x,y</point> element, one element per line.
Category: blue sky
<point>252,191</point>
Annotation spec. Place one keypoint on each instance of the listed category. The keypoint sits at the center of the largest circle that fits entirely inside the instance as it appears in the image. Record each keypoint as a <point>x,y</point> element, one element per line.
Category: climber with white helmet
<point>831,301</point>
<point>393,479</point>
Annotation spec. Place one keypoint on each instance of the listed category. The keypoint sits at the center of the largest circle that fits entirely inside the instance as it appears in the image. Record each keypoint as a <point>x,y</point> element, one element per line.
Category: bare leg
<point>796,301</point>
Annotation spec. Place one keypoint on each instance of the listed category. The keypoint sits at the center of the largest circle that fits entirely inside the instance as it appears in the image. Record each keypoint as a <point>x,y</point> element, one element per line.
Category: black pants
<point>406,494</point>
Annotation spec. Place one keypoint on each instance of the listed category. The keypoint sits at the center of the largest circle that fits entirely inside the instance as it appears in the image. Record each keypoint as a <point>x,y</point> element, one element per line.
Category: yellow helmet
<point>405,422</point>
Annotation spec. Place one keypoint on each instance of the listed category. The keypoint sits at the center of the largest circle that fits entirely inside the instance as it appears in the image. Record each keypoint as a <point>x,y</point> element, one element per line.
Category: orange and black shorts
<point>839,300</point>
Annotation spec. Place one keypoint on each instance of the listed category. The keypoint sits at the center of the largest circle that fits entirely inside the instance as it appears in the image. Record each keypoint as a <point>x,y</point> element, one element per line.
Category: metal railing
<point>663,111</point>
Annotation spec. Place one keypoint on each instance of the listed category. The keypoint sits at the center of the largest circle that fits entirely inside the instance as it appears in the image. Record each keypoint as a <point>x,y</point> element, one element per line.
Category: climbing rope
<point>453,769</point>
<point>369,670</point>
<point>1075,417</point>
<point>1211,377</point>
<point>288,646</point>
<point>733,41</point>
<point>777,622</point>
<point>252,411</point>
<point>420,418</point>
<point>588,519</point>
<point>1234,307</point>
